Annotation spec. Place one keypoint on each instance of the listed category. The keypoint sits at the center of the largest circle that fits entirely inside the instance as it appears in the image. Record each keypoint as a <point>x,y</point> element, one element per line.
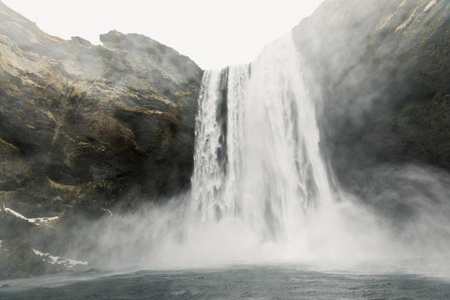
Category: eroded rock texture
<point>84,130</point>
<point>86,126</point>
<point>382,71</point>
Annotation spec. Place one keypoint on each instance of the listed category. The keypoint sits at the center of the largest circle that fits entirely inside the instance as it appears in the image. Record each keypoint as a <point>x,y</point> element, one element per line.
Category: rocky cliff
<point>86,129</point>
<point>382,72</point>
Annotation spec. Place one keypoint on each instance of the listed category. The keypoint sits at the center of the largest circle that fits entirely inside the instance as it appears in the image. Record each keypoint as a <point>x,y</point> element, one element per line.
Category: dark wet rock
<point>84,126</point>
<point>17,260</point>
<point>84,130</point>
<point>382,70</point>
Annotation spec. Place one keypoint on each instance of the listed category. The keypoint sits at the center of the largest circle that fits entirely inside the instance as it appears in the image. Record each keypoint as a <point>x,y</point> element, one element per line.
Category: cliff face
<point>86,128</point>
<point>84,125</point>
<point>382,70</point>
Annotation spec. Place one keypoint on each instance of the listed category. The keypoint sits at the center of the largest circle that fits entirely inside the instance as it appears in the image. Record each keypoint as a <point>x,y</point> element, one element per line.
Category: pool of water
<point>237,282</point>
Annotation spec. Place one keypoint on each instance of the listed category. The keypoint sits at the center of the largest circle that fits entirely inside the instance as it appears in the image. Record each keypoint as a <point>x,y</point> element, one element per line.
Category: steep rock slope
<point>91,123</point>
<point>84,130</point>
<point>382,70</point>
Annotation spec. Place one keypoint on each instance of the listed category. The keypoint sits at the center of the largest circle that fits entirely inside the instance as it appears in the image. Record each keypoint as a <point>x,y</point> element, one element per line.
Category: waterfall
<point>260,189</point>
<point>257,154</point>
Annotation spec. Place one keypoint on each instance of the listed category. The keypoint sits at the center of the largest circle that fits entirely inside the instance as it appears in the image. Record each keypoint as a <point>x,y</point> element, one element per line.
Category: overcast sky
<point>214,33</point>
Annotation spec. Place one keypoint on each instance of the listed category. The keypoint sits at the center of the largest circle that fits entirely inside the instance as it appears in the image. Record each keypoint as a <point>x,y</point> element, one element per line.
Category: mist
<point>405,221</point>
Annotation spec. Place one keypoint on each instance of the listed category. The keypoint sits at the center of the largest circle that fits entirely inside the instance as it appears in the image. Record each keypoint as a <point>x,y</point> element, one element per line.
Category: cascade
<point>257,152</point>
<point>260,189</point>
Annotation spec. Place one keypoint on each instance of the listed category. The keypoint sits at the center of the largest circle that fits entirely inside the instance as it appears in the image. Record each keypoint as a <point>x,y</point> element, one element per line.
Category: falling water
<point>257,154</point>
<point>260,188</point>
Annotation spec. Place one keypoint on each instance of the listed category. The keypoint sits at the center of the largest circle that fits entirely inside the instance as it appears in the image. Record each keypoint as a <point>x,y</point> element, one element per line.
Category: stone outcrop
<point>382,71</point>
<point>84,125</point>
<point>86,129</point>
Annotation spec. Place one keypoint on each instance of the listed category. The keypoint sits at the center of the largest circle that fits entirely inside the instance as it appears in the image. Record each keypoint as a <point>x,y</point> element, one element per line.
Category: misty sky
<point>213,33</point>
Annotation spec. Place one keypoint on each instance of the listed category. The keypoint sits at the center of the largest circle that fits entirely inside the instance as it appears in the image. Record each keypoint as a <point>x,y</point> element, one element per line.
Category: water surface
<point>239,282</point>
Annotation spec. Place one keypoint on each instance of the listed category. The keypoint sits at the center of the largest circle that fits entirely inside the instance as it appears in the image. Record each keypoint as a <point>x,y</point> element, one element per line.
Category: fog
<point>344,235</point>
